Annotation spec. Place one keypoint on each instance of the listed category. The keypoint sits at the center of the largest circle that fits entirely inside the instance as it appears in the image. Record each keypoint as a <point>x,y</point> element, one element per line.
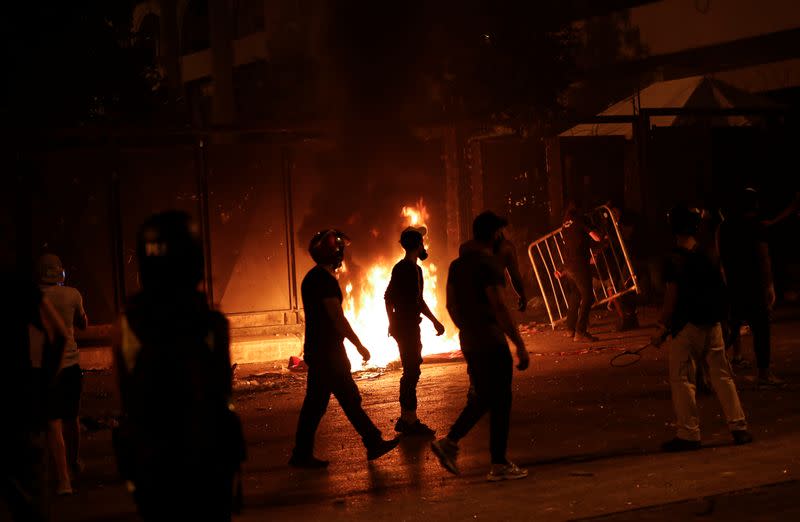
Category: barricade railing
<point>612,270</point>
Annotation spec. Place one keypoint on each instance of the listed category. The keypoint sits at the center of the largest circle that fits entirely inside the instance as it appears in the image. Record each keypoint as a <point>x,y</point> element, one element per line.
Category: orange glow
<point>366,309</point>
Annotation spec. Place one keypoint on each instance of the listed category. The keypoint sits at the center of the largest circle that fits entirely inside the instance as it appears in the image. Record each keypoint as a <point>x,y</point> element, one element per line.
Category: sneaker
<point>307,462</point>
<point>770,381</point>
<point>382,448</point>
<point>415,428</point>
<point>447,452</point>
<point>679,444</point>
<point>508,471</point>
<point>741,437</point>
<point>585,337</point>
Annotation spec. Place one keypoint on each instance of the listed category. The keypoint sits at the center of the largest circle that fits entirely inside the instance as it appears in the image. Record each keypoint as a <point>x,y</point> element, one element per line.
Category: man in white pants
<point>693,309</point>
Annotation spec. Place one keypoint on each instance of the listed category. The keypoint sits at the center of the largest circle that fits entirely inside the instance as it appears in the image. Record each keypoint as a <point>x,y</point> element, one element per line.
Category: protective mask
<point>423,254</point>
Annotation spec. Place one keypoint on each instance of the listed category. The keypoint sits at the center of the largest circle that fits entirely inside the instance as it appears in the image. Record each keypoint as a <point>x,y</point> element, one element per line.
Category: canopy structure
<point>695,92</point>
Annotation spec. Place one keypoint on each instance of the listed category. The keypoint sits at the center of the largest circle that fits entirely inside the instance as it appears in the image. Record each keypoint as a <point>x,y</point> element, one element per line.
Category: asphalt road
<point>588,433</point>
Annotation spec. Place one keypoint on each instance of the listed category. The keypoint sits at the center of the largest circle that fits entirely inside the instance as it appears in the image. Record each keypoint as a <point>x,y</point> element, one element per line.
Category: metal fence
<point>612,270</point>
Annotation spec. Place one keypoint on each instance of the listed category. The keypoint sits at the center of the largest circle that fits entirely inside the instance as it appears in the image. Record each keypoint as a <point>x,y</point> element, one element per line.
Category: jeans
<point>320,385</point>
<point>698,344</point>
<point>490,369</point>
<point>580,298</point>
<point>410,345</point>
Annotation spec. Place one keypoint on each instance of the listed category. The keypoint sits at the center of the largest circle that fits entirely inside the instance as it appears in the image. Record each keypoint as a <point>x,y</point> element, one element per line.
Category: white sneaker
<point>508,471</point>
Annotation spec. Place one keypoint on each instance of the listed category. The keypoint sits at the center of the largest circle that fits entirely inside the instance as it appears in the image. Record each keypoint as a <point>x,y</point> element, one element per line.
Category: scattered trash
<point>296,364</point>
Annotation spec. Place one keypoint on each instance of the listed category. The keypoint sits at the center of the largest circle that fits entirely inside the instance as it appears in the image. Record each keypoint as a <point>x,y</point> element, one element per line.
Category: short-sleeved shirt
<point>69,305</point>
<point>405,290</point>
<point>324,345</point>
<point>740,239</point>
<point>700,288</point>
<point>468,278</point>
<point>577,243</point>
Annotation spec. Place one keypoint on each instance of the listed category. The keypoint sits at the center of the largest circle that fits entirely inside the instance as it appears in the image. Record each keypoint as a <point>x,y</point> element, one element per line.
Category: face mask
<point>423,254</point>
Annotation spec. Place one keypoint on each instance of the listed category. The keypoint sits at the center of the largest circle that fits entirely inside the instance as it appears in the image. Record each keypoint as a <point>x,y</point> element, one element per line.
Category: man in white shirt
<point>63,402</point>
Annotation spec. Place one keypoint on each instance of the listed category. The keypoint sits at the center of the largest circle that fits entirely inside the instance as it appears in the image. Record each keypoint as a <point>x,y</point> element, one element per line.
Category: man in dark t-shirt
<point>693,309</point>
<point>404,305</point>
<point>475,303</point>
<point>744,253</point>
<point>578,235</point>
<point>328,366</point>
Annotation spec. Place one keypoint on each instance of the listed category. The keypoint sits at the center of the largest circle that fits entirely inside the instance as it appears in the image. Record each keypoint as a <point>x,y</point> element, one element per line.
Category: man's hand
<point>558,274</point>
<point>659,337</point>
<point>523,303</point>
<point>771,296</point>
<point>524,360</point>
<point>439,327</point>
<point>362,350</point>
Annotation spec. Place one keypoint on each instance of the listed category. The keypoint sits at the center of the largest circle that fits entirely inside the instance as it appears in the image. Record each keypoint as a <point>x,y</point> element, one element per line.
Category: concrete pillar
<point>451,153</point>
<point>474,162</point>
<point>223,106</point>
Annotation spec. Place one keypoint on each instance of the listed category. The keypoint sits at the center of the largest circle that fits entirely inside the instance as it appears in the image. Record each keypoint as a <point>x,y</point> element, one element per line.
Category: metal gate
<point>612,270</point>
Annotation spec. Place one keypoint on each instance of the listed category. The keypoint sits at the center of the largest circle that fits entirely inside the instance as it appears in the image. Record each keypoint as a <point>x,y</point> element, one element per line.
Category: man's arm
<point>494,293</point>
<point>765,265</point>
<point>509,253</point>
<point>793,207</point>
<point>81,320</point>
<point>56,334</point>
<point>667,313</point>
<point>334,310</point>
<point>426,311</point>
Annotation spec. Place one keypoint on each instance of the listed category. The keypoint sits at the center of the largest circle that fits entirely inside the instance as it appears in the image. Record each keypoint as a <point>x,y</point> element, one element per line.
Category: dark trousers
<point>579,299</point>
<point>754,311</point>
<point>320,385</point>
<point>410,345</point>
<point>490,369</point>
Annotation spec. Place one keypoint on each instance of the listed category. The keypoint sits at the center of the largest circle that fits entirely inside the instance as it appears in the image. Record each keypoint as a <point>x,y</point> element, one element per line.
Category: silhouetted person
<point>404,305</point>
<point>693,309</point>
<point>33,344</point>
<point>179,443</point>
<point>625,305</point>
<point>474,299</point>
<point>506,255</point>
<point>748,272</point>
<point>325,355</point>
<point>577,272</point>
<point>63,404</point>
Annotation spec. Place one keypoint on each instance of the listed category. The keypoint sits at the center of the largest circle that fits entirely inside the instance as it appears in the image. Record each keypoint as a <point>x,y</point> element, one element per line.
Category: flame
<point>365,308</point>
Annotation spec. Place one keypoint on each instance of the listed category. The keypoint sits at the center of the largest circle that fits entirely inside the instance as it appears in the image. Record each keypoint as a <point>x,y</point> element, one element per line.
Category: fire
<point>366,309</point>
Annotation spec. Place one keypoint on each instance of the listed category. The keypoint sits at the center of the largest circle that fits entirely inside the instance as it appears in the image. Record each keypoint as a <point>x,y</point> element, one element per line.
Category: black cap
<point>486,224</point>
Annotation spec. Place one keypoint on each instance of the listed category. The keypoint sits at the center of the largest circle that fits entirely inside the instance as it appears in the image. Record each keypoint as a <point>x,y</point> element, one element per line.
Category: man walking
<point>693,309</point>
<point>404,305</point>
<point>328,366</point>
<point>63,402</point>
<point>474,300</point>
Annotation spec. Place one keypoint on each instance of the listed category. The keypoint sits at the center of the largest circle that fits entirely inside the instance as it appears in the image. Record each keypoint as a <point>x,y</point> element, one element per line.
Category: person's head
<point>327,247</point>
<point>50,270</point>
<point>684,221</point>
<point>170,253</point>
<point>487,229</point>
<point>412,241</point>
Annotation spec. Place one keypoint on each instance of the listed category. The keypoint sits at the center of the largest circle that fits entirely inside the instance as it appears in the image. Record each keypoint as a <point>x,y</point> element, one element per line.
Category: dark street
<point>588,433</point>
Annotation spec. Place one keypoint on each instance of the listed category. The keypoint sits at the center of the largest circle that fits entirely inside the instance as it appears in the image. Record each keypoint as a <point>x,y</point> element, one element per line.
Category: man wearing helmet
<point>404,304</point>
<point>692,312</point>
<point>63,403</point>
<point>179,443</point>
<point>324,353</point>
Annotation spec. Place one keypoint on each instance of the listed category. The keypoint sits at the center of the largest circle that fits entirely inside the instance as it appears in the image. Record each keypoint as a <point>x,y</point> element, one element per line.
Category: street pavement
<point>589,433</point>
